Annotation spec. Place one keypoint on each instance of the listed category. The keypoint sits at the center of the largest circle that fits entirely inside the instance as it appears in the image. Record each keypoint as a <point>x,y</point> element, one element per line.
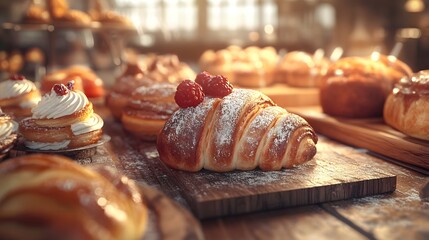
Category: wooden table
<point>403,214</point>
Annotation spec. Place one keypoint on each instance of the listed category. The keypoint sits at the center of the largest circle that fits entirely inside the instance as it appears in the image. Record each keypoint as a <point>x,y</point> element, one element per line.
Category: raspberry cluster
<point>61,89</point>
<point>191,93</point>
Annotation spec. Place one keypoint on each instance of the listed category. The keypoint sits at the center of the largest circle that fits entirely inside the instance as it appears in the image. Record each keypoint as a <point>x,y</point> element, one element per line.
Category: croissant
<point>51,197</point>
<point>242,130</point>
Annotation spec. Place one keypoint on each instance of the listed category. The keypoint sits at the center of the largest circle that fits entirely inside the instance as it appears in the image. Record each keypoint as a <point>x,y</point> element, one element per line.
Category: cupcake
<point>63,119</point>
<point>18,96</point>
<point>8,135</point>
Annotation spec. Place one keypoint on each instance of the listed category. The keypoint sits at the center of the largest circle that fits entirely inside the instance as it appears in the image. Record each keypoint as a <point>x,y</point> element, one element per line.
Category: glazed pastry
<point>85,80</point>
<point>300,69</point>
<point>63,119</point>
<point>242,130</point>
<point>51,197</point>
<point>148,109</point>
<point>18,95</point>
<point>407,106</point>
<point>130,80</point>
<point>355,87</point>
<point>396,69</point>
<point>8,130</point>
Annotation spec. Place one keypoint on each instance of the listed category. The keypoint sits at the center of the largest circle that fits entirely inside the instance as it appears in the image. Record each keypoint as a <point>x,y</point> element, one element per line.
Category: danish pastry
<point>63,119</point>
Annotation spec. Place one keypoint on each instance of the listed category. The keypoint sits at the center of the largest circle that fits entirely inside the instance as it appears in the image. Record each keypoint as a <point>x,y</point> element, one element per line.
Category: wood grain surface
<point>331,176</point>
<point>371,134</point>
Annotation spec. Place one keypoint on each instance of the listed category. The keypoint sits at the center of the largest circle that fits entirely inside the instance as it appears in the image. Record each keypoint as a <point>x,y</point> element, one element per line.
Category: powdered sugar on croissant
<point>243,130</point>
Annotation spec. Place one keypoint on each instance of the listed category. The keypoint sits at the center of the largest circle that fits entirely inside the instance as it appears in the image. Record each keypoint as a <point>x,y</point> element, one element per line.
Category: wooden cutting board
<point>371,134</point>
<point>331,176</point>
<point>286,96</point>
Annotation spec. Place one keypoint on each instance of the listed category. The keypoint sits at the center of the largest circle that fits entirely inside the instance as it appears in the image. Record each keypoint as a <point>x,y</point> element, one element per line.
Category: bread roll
<point>407,106</point>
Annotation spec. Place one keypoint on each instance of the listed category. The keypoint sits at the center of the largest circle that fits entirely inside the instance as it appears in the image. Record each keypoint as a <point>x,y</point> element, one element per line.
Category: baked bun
<point>396,69</point>
<point>300,69</point>
<point>18,95</point>
<point>148,109</point>
<point>407,106</point>
<point>8,133</point>
<point>63,119</point>
<point>254,67</point>
<point>243,130</point>
<point>355,87</point>
<point>51,197</point>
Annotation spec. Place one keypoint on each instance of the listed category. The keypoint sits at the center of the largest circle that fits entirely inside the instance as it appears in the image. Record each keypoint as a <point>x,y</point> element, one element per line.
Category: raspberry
<point>70,85</point>
<point>16,77</point>
<point>61,89</point>
<point>218,87</point>
<point>189,94</point>
<point>203,78</point>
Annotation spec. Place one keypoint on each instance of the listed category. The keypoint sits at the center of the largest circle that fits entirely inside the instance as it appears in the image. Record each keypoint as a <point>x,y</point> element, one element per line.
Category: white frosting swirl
<point>93,123</point>
<point>30,103</point>
<point>7,128</point>
<point>14,88</point>
<point>47,146</point>
<point>54,106</point>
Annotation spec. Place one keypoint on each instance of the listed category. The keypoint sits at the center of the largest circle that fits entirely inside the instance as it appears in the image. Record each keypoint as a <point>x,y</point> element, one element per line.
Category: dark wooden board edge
<point>289,198</point>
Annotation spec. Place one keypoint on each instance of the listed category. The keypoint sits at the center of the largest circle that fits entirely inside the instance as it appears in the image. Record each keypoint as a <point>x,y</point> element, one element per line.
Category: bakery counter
<point>344,193</point>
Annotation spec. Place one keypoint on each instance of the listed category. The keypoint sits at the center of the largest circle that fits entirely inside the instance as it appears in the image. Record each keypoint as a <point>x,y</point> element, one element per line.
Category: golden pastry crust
<point>148,109</point>
<point>50,196</point>
<point>243,130</point>
<point>407,107</point>
<point>355,87</point>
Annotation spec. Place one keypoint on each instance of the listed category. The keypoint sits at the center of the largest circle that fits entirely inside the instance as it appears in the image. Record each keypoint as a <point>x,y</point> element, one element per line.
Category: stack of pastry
<point>407,106</point>
<point>132,78</point>
<point>60,12</point>
<point>8,130</point>
<point>63,119</point>
<point>356,87</point>
<point>148,109</point>
<point>18,95</point>
<point>84,79</point>
<point>232,129</point>
<point>51,197</point>
<point>300,69</point>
